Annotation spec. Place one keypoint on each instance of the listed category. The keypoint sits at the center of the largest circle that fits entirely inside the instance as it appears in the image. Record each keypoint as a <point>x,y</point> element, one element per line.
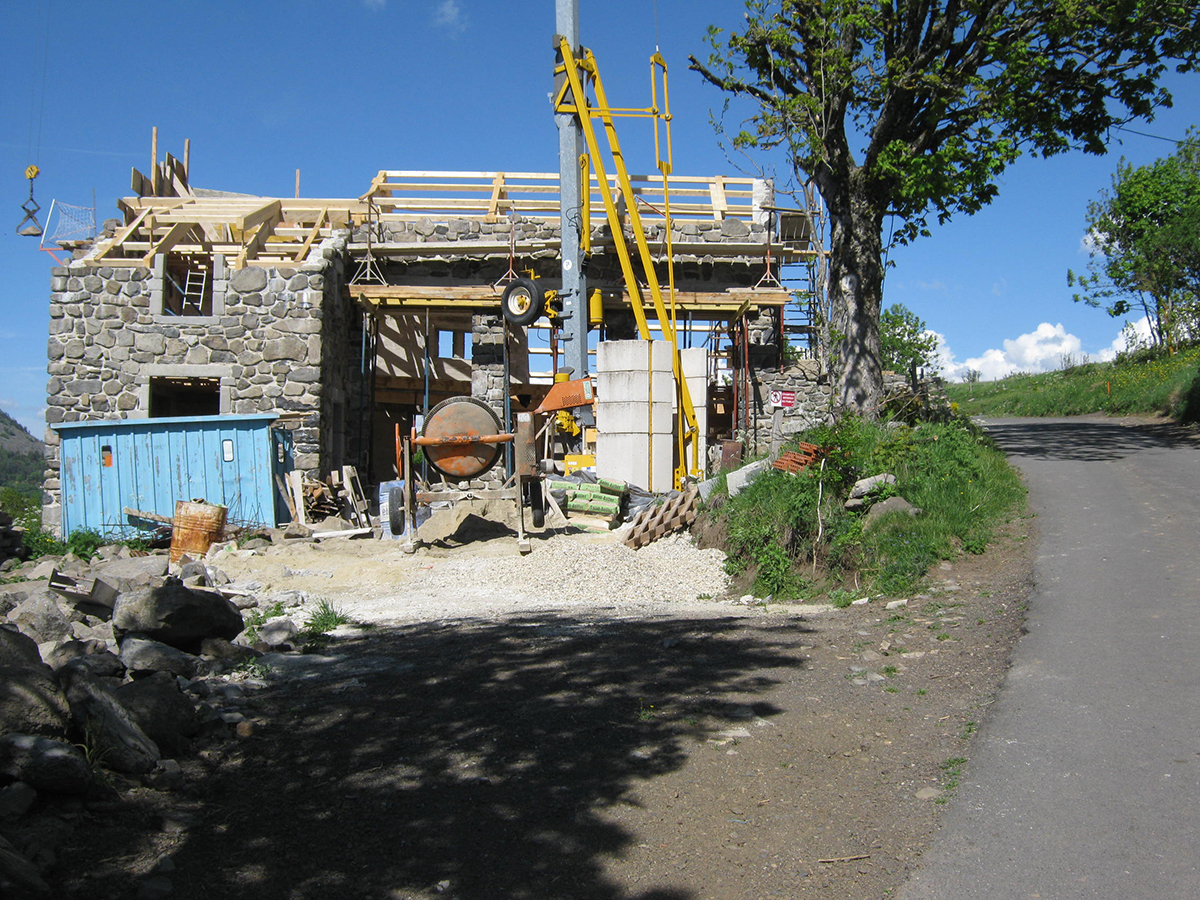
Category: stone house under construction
<point>349,318</point>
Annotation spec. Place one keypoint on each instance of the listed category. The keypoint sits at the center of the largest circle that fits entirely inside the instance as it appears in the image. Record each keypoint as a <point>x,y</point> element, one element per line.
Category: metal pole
<point>570,148</point>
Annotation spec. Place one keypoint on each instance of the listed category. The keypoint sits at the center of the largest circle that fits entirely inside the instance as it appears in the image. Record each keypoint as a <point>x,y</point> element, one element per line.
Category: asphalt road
<point>1085,781</point>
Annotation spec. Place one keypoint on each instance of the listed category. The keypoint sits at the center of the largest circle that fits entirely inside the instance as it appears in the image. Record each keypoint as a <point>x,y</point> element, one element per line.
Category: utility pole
<point>570,149</point>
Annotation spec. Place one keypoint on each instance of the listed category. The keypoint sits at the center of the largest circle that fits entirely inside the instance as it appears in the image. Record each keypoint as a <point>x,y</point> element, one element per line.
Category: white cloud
<point>1041,350</point>
<point>1139,331</point>
<point>449,15</point>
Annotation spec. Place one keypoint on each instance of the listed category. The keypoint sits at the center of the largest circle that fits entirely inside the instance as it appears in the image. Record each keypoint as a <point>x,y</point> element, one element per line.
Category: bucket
<point>197,524</point>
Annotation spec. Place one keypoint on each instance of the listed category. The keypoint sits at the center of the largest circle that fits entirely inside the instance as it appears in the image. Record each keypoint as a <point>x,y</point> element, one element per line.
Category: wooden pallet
<point>796,460</point>
<point>676,514</point>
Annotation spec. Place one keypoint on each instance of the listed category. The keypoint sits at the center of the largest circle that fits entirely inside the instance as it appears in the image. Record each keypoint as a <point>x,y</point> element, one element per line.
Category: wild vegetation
<point>791,537</point>
<point>1144,382</point>
<point>904,112</point>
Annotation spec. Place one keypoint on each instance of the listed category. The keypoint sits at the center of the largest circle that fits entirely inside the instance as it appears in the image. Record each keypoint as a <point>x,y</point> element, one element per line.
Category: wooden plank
<point>254,245</point>
<point>268,212</point>
<point>312,236</point>
<point>173,236</point>
<point>717,193</point>
<point>121,235</point>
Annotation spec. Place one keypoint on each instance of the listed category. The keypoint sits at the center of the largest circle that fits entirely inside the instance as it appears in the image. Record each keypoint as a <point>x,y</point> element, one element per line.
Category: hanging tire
<point>523,301</point>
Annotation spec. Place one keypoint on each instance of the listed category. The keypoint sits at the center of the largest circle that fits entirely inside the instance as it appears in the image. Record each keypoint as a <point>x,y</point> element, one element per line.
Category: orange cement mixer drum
<point>450,438</point>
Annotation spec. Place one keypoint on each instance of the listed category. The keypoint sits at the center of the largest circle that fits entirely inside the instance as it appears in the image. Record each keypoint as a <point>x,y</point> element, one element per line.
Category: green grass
<point>792,533</point>
<point>1143,382</point>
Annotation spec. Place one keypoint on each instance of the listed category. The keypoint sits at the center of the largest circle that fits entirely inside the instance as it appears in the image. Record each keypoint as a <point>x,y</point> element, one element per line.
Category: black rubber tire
<point>523,301</point>
<point>396,510</point>
<point>537,504</point>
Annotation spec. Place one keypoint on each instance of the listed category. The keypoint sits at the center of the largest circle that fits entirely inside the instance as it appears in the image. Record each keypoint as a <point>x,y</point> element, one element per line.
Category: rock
<point>15,800</point>
<point>248,280</point>
<point>132,568</point>
<point>738,480</point>
<point>295,530</point>
<point>856,503</point>
<point>94,630</point>
<point>42,619</point>
<point>256,544</point>
<point>176,615</point>
<point>193,569</point>
<point>864,486</point>
<point>59,653</point>
<point>45,764</point>
<point>219,648</point>
<point>277,631</point>
<point>31,701</point>
<point>115,737</point>
<point>896,604</point>
<point>890,505</point>
<point>17,649</point>
<point>157,886</point>
<point>140,655</point>
<point>161,710</point>
<point>928,793</point>
<point>19,878</point>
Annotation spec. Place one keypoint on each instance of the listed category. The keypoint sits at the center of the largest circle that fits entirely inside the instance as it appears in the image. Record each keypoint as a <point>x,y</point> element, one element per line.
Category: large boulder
<point>142,655</point>
<point>113,736</point>
<point>31,701</point>
<point>19,878</point>
<point>161,710</point>
<point>890,505</point>
<point>16,648</point>
<point>42,618</point>
<point>176,615</point>
<point>45,764</point>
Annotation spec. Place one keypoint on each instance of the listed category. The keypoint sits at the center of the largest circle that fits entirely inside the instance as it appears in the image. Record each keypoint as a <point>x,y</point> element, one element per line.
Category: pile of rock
<point>118,665</point>
<point>12,544</point>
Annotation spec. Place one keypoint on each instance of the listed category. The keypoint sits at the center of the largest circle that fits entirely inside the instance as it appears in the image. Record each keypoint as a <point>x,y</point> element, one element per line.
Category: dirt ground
<point>476,746</point>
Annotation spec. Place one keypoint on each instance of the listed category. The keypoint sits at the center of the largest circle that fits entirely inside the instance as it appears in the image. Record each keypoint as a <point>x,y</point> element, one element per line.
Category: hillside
<point>15,439</point>
<point>1136,384</point>
<point>21,457</point>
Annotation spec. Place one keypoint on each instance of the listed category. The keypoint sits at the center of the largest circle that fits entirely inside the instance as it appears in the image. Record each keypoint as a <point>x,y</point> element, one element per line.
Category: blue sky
<point>343,88</point>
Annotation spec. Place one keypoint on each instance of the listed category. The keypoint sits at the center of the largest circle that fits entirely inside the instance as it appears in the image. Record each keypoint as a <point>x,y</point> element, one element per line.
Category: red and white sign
<point>786,399</point>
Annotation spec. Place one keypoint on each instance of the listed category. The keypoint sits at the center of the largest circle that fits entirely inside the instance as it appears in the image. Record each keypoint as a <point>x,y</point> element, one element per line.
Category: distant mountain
<point>15,439</point>
<point>22,461</point>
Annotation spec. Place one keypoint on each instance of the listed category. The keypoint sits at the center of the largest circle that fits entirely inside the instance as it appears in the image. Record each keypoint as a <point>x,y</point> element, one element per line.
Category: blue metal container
<point>148,464</point>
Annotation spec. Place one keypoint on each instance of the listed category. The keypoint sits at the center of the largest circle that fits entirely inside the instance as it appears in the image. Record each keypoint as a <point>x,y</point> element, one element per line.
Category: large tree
<point>1145,245</point>
<point>913,108</point>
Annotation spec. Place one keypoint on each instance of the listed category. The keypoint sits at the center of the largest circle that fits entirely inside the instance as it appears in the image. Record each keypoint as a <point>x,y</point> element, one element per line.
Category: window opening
<point>184,397</point>
<point>188,285</point>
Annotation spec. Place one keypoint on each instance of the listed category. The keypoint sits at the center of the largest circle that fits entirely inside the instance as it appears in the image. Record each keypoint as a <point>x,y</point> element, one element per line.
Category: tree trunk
<point>855,296</point>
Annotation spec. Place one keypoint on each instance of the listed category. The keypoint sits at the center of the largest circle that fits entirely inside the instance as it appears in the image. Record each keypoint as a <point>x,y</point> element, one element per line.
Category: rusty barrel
<point>197,524</point>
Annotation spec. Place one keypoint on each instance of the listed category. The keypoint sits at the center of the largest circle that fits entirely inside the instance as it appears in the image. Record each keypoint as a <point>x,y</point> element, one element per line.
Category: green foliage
<point>792,531</point>
<point>324,619</point>
<point>22,472</point>
<point>903,338</point>
<point>1149,381</point>
<point>1145,253</point>
<point>255,619</point>
<point>900,113</point>
<point>85,542</point>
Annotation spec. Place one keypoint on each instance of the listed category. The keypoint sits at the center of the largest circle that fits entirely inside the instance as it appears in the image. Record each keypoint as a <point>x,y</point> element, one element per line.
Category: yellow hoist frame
<point>572,98</point>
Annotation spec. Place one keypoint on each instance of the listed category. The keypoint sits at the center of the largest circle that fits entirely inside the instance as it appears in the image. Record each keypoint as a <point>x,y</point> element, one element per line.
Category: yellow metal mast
<point>572,98</point>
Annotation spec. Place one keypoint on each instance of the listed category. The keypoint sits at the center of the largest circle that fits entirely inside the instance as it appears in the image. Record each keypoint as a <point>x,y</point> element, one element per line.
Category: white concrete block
<point>635,386</point>
<point>635,356</point>
<point>628,457</point>
<point>633,418</point>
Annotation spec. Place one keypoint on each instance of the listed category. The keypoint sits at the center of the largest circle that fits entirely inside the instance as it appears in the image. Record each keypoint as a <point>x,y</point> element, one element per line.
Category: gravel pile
<point>564,572</point>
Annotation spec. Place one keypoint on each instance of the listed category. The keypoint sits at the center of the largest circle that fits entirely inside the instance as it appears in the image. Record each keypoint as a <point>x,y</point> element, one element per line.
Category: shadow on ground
<point>1084,439</point>
<point>471,759</point>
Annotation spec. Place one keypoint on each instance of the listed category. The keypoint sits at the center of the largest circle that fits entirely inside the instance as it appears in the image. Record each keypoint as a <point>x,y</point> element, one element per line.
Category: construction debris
<point>676,514</point>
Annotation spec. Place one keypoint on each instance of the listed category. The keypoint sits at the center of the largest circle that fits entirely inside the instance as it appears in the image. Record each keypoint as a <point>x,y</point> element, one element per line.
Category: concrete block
<point>637,356</point>
<point>635,386</point>
<point>627,457</point>
<point>634,418</point>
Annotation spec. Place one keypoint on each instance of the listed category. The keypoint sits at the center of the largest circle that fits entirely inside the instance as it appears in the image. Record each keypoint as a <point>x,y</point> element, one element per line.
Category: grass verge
<point>790,536</point>
<point>1142,382</point>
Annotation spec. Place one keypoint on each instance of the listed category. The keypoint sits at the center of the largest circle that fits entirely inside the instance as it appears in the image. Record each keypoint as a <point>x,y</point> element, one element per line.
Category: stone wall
<point>278,340</point>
